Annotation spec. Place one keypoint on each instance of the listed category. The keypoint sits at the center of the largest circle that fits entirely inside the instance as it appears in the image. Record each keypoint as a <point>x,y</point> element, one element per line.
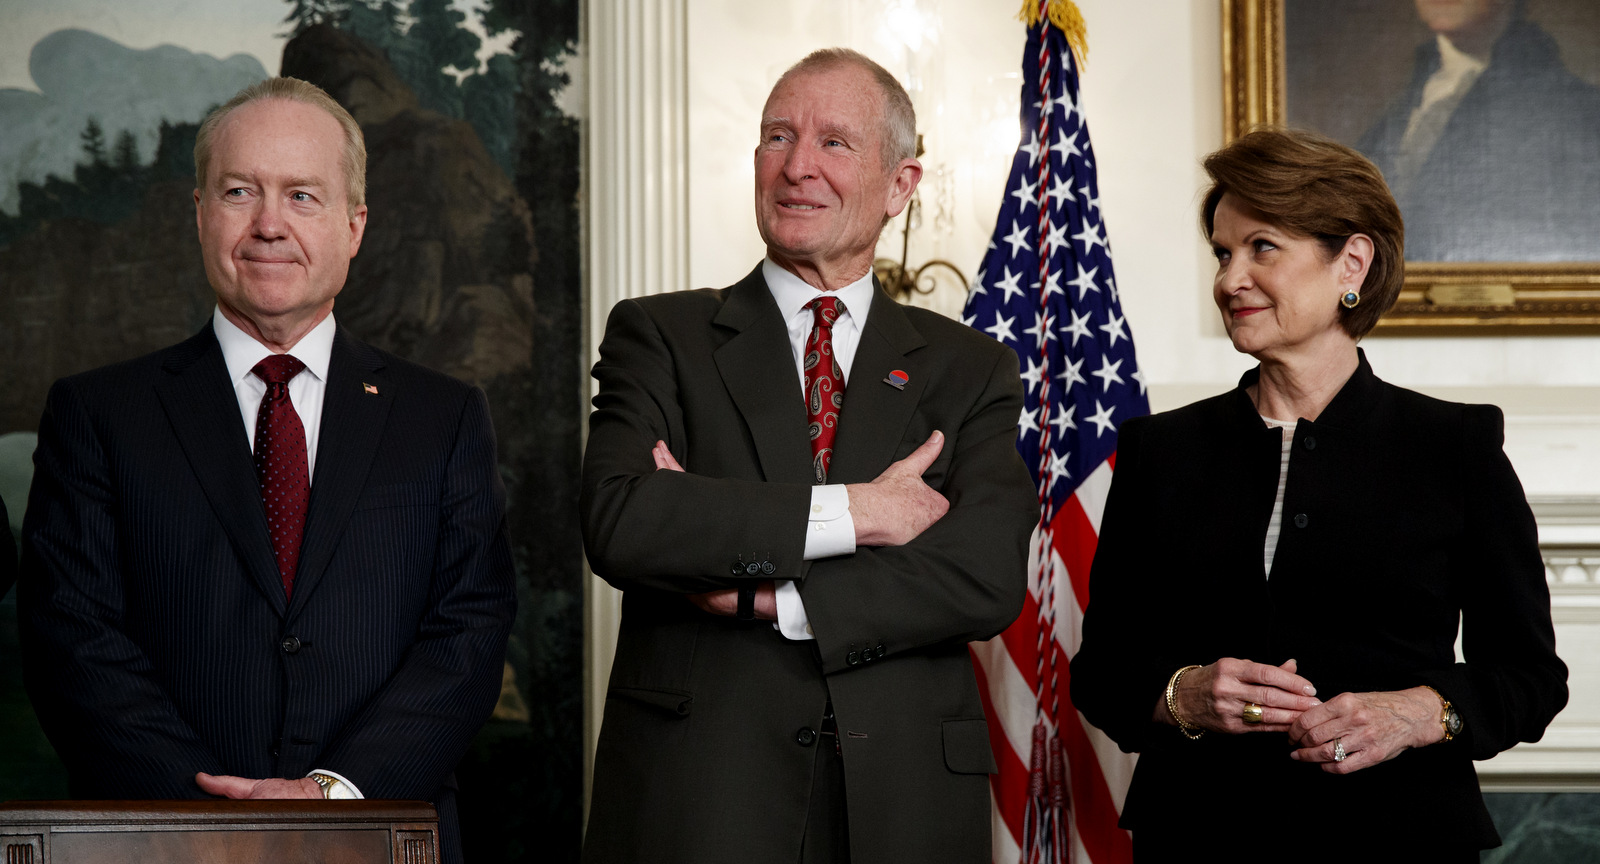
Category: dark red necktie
<point>824,384</point>
<point>281,464</point>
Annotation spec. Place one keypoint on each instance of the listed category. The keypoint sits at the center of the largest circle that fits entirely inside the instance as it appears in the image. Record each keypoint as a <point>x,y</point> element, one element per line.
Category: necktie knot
<point>826,310</point>
<point>278,369</point>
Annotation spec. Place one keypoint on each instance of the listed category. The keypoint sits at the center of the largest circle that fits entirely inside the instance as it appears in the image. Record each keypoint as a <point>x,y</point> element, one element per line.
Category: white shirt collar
<point>793,293</point>
<point>1456,68</point>
<point>242,352</point>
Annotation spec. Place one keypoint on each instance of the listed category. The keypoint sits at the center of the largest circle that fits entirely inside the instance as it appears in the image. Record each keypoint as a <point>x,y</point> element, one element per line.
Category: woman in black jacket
<point>1282,568</point>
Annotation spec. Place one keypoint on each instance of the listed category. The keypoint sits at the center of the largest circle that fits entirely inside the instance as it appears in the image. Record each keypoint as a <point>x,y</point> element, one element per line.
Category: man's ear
<point>358,228</point>
<point>902,185</point>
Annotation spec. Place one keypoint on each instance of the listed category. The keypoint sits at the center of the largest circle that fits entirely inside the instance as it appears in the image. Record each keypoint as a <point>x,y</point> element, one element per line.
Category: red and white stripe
<point>1008,669</point>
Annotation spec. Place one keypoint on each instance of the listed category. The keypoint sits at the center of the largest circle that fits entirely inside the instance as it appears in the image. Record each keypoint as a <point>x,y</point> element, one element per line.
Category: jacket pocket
<point>676,702</point>
<point>966,746</point>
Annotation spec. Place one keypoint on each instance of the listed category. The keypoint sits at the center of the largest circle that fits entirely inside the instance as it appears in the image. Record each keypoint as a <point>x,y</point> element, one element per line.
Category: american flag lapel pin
<point>369,388</point>
<point>897,379</point>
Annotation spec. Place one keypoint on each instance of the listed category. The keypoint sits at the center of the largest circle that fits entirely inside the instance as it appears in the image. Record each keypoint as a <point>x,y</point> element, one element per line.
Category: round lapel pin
<point>897,379</point>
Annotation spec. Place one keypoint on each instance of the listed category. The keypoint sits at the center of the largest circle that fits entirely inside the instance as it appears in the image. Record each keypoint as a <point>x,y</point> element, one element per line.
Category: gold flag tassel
<point>1064,16</point>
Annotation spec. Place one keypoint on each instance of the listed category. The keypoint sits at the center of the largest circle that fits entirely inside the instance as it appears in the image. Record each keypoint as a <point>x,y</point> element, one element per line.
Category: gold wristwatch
<point>1449,717</point>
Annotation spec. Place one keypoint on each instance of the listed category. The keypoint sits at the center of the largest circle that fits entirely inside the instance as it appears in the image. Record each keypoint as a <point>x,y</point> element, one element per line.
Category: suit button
<point>853,658</point>
<point>274,752</point>
<point>768,568</point>
<point>1300,520</point>
<point>1310,442</point>
<point>805,737</point>
<point>881,650</point>
<point>738,568</point>
<point>290,644</point>
<point>867,656</point>
<point>752,568</point>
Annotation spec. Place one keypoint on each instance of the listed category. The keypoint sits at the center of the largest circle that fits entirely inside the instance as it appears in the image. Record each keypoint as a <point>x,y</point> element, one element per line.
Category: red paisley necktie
<point>824,385</point>
<point>281,463</point>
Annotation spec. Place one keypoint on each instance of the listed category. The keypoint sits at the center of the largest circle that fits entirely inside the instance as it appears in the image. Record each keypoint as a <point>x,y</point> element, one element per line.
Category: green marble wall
<point>1545,827</point>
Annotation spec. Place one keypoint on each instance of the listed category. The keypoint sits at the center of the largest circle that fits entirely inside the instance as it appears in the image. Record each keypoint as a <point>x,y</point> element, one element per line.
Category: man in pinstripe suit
<point>344,640</point>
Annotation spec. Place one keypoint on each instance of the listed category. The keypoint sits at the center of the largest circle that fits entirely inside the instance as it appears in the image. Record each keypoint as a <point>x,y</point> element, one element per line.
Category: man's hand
<point>725,601</point>
<point>663,457</point>
<point>243,787</point>
<point>893,509</point>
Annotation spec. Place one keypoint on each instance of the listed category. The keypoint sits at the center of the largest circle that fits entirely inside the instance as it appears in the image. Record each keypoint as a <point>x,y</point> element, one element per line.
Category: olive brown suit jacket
<point>707,748</point>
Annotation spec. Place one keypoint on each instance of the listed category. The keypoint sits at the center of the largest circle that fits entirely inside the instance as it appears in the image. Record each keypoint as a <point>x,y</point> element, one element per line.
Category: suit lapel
<point>352,424</point>
<point>203,409</point>
<point>875,413</point>
<point>758,369</point>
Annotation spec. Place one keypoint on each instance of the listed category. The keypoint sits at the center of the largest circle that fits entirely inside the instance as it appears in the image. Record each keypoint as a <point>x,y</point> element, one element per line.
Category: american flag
<point>1046,288</point>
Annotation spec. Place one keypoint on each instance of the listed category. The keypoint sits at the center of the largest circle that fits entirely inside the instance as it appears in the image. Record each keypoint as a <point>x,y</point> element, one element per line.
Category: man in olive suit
<point>811,499</point>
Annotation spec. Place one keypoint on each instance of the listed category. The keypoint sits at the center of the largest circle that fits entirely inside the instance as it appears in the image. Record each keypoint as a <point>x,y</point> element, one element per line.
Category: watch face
<point>1453,722</point>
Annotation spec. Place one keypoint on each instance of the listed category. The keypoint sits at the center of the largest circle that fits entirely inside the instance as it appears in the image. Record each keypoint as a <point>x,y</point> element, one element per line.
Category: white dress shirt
<point>241,352</point>
<point>830,530</point>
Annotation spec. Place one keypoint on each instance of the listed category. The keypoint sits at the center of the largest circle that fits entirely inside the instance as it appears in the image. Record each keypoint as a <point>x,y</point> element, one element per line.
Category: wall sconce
<point>896,278</point>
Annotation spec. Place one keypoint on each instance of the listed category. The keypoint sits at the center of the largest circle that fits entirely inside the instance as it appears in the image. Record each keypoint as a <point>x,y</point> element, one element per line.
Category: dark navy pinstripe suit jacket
<point>158,641</point>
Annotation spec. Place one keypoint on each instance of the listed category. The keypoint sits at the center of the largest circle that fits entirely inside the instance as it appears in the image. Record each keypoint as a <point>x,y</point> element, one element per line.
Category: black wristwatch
<point>747,604</point>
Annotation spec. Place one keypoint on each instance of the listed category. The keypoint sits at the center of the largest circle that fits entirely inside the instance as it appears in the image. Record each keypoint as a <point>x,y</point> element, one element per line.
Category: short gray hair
<point>353,159</point>
<point>899,118</point>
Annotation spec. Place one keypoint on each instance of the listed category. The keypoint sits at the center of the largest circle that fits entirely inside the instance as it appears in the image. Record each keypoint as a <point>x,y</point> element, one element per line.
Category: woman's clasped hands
<point>1347,733</point>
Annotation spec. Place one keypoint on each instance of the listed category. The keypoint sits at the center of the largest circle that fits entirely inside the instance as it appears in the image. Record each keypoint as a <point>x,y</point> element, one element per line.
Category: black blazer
<point>1401,516</point>
<point>157,641</point>
<point>699,759</point>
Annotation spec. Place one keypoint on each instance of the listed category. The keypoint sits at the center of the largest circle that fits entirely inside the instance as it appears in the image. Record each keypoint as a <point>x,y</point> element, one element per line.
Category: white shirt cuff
<point>830,531</point>
<point>344,789</point>
<point>792,620</point>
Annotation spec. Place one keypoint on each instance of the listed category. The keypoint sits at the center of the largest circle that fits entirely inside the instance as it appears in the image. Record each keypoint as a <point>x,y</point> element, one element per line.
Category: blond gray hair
<point>353,158</point>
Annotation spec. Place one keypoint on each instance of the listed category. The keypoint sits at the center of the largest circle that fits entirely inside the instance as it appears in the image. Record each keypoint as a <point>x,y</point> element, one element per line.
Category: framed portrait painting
<point>1484,116</point>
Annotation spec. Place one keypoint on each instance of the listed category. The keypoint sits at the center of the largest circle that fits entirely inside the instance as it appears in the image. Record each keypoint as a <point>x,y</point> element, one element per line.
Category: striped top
<point>1271,546</point>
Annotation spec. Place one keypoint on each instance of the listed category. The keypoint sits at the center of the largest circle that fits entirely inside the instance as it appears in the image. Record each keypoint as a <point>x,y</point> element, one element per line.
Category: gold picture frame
<point>1471,297</point>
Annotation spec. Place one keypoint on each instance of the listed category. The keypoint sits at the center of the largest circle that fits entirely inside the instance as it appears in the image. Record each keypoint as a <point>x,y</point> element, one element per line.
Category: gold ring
<point>1252,713</point>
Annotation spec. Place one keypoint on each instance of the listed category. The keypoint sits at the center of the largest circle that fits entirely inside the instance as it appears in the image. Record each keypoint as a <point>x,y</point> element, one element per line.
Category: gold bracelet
<point>1190,732</point>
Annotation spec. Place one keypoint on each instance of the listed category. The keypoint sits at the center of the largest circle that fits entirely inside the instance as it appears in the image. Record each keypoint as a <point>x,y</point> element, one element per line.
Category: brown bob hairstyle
<point>1316,187</point>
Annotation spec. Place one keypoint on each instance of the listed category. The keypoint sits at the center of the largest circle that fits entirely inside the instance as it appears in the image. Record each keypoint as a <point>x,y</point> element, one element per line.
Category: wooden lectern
<point>219,832</point>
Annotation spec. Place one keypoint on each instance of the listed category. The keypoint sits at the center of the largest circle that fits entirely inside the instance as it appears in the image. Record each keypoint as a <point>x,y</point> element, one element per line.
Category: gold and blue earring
<point>1350,299</point>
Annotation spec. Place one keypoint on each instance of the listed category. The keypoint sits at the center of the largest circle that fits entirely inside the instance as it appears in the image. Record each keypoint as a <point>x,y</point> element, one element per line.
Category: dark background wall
<point>470,265</point>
